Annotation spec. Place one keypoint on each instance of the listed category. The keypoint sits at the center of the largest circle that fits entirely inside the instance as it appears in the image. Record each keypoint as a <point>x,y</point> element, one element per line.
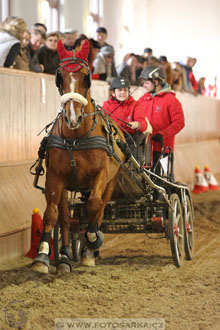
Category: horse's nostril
<point>80,118</point>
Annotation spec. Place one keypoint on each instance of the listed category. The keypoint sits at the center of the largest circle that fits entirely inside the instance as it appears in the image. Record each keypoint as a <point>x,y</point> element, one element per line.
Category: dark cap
<point>101,30</point>
<point>163,59</point>
<point>148,50</point>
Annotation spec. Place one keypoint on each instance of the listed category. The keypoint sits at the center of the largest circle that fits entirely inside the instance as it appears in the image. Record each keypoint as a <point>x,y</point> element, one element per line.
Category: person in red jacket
<point>123,109</point>
<point>162,108</point>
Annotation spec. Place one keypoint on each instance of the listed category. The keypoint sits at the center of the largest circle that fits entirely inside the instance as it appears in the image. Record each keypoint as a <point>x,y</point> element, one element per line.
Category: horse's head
<point>73,79</point>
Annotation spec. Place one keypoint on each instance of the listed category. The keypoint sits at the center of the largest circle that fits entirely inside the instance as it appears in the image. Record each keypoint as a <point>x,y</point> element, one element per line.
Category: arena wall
<point>30,101</point>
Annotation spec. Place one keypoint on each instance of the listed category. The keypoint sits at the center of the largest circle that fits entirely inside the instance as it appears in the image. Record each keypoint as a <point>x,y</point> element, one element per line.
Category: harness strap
<point>73,167</point>
<point>92,142</point>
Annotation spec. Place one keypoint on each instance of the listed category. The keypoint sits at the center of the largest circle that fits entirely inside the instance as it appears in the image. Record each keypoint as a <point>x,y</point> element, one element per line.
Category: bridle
<point>80,63</point>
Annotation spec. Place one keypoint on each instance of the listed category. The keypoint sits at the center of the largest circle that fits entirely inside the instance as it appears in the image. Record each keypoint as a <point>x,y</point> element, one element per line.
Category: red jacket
<point>165,113</point>
<point>127,111</point>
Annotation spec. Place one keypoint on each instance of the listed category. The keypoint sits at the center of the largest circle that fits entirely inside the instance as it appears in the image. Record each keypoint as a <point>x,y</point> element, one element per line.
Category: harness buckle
<point>72,163</point>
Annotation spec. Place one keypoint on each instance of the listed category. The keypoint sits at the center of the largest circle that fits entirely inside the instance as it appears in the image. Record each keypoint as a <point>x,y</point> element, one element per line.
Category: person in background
<point>129,68</point>
<point>37,40</point>
<point>177,70</point>
<point>192,61</point>
<point>11,35</point>
<point>70,37</point>
<point>167,69</point>
<point>47,55</point>
<point>162,108</point>
<point>201,89</point>
<point>187,65</point>
<point>153,60</point>
<point>147,52</point>
<point>101,36</point>
<point>104,63</point>
<point>94,50</point>
<point>39,26</point>
<point>123,109</point>
<point>21,61</point>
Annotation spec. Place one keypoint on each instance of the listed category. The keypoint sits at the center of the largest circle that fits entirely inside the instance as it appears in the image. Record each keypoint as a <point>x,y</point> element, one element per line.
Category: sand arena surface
<point>134,278</point>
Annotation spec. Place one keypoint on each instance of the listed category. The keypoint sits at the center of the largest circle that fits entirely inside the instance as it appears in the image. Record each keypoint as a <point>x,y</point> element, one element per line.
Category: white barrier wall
<point>29,101</point>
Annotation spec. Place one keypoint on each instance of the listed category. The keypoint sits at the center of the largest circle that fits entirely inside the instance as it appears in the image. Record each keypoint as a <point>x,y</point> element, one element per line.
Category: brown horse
<point>82,155</point>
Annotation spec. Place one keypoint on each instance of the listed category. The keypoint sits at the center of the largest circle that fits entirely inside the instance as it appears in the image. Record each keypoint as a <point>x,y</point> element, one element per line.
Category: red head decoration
<point>81,54</point>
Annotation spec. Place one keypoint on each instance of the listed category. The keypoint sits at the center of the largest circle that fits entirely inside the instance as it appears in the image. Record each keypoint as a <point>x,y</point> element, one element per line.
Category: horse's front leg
<point>64,265</point>
<point>54,187</point>
<point>94,237</point>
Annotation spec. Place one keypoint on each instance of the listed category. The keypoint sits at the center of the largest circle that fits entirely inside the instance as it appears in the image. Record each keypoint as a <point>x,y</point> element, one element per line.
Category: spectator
<point>166,66</point>
<point>186,69</point>
<point>152,60</point>
<point>177,84</point>
<point>128,68</point>
<point>101,36</point>
<point>123,109</point>
<point>192,61</point>
<point>104,63</point>
<point>201,89</point>
<point>21,60</point>
<point>11,36</point>
<point>47,55</point>
<point>162,108</point>
<point>39,26</point>
<point>70,37</point>
<point>147,52</point>
<point>37,40</point>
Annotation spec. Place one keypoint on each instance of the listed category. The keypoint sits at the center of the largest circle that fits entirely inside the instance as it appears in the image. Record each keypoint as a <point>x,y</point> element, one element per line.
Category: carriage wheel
<point>56,242</point>
<point>176,230</point>
<point>188,229</point>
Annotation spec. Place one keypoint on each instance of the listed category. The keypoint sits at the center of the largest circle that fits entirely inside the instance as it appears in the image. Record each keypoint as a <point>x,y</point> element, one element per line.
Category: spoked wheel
<point>188,229</point>
<point>176,231</point>
<point>57,243</point>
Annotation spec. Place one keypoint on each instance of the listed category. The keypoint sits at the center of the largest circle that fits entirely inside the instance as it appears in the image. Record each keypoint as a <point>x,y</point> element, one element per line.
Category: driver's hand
<point>134,124</point>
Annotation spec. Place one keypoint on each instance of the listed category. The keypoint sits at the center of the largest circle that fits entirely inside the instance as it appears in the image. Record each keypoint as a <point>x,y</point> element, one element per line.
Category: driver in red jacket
<point>123,109</point>
<point>162,108</point>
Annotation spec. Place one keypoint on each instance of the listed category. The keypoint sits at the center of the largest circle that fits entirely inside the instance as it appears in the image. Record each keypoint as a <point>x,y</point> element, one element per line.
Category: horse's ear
<point>61,50</point>
<point>84,51</point>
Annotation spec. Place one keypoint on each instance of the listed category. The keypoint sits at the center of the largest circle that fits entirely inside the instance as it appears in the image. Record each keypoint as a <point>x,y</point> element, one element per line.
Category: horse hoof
<point>63,268</point>
<point>98,243</point>
<point>40,267</point>
<point>88,258</point>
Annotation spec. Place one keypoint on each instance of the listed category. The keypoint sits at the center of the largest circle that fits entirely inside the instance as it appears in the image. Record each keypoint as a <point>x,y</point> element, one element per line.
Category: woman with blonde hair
<point>11,35</point>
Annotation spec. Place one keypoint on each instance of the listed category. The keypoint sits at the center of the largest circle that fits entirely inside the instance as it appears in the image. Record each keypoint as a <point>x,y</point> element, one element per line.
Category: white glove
<point>134,124</point>
<point>149,127</point>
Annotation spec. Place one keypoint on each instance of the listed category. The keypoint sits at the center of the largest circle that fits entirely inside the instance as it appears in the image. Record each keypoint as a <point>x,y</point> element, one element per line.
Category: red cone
<point>36,232</point>
<point>212,182</point>
<point>201,184</point>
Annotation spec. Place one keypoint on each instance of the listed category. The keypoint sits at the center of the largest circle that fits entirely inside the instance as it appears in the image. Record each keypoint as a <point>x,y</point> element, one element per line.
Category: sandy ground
<point>134,278</point>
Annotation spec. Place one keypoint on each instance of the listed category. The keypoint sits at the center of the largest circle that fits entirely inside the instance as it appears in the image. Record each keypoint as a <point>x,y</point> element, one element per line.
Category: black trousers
<point>136,150</point>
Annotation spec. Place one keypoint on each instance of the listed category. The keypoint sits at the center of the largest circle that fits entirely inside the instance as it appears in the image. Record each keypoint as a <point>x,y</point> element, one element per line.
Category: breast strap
<point>92,142</point>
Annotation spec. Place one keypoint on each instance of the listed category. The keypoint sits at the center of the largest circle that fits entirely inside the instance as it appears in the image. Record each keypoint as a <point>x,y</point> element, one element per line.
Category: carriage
<point>136,198</point>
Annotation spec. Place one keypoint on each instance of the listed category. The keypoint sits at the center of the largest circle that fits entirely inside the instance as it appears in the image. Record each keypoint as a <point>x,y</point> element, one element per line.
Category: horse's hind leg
<point>54,187</point>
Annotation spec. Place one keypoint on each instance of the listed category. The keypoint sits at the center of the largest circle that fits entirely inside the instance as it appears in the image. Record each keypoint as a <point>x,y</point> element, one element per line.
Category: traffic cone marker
<point>200,185</point>
<point>36,233</point>
<point>212,182</point>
